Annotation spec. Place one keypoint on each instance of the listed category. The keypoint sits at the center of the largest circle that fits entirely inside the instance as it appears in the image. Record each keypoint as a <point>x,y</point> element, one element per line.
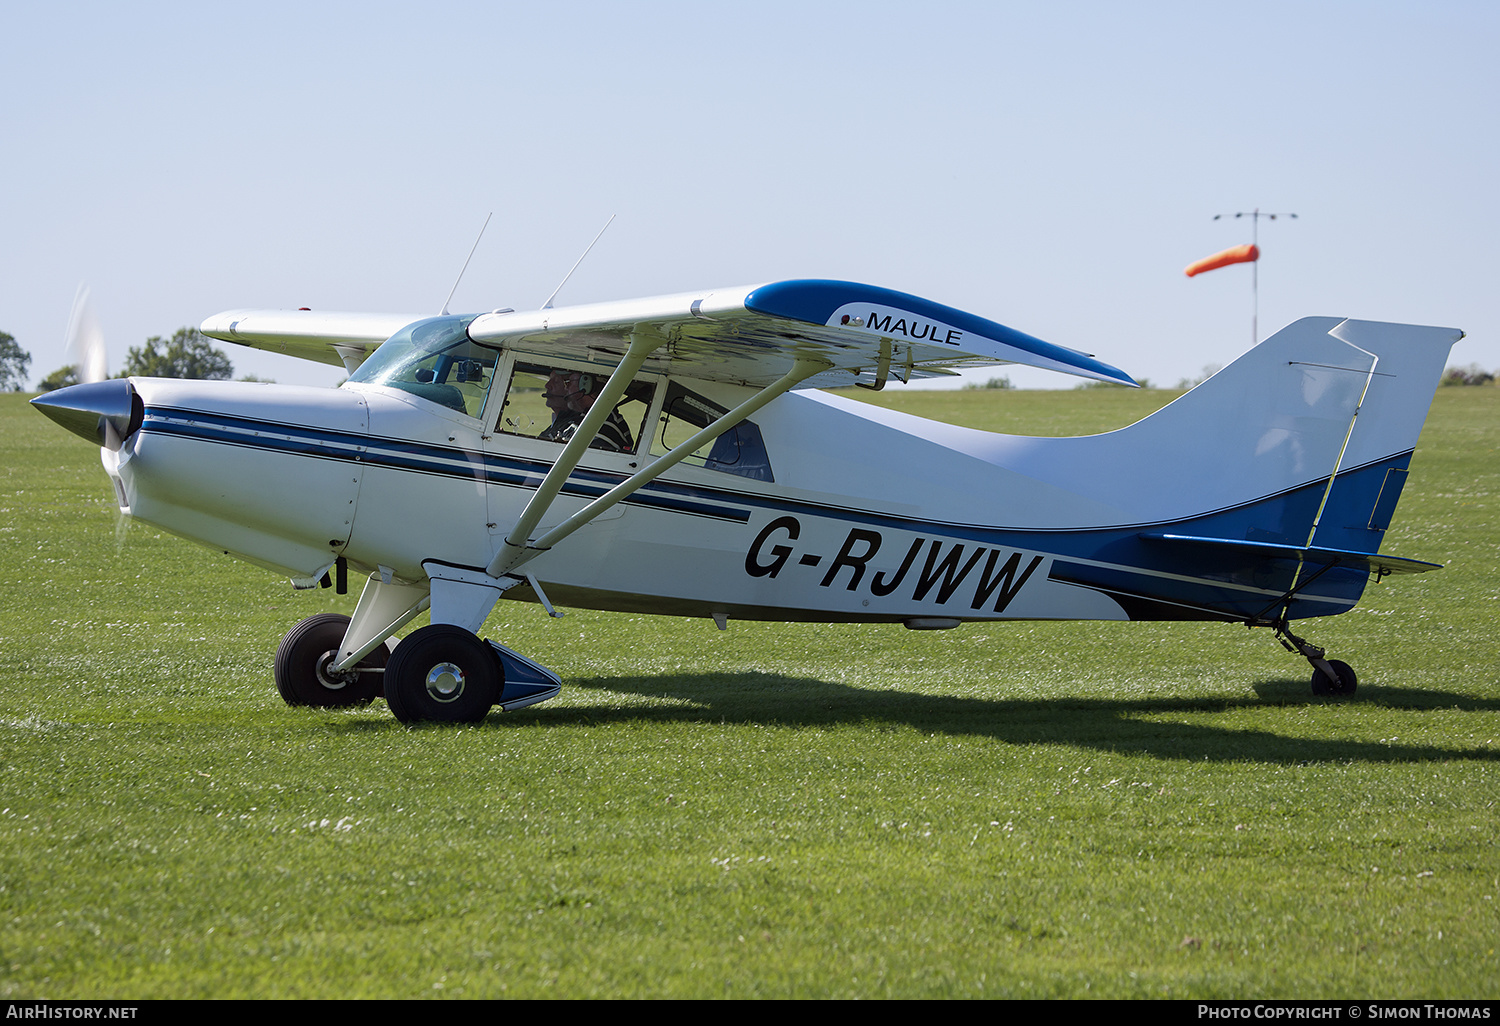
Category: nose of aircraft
<point>104,412</point>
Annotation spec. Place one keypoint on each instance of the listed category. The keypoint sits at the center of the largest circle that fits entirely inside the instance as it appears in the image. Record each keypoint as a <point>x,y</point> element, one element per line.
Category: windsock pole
<point>1255,216</point>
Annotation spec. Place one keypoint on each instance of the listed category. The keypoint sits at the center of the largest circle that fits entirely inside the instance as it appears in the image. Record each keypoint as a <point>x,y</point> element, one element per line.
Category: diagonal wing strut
<point>642,344</point>
<point>518,549</point>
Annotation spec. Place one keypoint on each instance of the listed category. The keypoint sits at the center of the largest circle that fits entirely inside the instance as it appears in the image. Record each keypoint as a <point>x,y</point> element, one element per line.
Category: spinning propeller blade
<point>101,409</point>
<point>85,340</point>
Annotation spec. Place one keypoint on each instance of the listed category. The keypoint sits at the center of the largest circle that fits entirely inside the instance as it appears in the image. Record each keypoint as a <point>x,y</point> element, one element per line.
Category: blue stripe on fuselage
<point>420,458</point>
<point>1116,559</point>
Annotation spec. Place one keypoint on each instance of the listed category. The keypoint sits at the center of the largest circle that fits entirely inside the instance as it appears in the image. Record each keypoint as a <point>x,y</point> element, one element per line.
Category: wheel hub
<point>330,678</point>
<point>445,682</point>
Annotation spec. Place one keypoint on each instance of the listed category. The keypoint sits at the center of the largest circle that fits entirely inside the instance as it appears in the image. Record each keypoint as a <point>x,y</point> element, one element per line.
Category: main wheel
<point>442,673</point>
<point>304,660</point>
<point>1345,685</point>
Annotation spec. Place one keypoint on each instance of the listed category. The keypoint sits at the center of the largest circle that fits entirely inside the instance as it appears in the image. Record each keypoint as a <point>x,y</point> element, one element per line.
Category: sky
<point>1052,166</point>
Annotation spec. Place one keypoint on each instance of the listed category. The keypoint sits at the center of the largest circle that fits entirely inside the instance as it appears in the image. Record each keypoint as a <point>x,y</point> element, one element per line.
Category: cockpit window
<point>435,360</point>
<point>549,402</point>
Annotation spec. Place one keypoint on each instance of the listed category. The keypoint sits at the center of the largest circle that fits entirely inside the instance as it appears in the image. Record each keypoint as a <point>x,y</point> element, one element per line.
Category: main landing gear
<point>1330,676</point>
<point>304,666</point>
<point>440,673</point>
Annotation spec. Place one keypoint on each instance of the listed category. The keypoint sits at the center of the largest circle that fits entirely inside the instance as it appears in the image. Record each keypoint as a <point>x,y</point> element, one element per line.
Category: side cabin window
<point>740,450</point>
<point>434,360</point>
<point>549,402</point>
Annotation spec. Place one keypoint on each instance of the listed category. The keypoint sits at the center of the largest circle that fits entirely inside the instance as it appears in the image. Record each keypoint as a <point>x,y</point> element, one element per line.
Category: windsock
<point>1233,255</point>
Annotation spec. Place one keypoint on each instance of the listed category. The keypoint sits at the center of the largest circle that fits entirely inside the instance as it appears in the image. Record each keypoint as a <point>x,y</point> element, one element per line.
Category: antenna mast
<point>466,261</point>
<point>548,304</point>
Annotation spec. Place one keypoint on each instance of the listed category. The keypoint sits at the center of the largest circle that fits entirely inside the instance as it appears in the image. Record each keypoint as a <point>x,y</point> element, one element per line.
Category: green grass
<point>1012,810</point>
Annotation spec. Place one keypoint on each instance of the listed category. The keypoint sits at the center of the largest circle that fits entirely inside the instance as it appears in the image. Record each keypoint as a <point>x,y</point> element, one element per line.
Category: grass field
<point>1021,810</point>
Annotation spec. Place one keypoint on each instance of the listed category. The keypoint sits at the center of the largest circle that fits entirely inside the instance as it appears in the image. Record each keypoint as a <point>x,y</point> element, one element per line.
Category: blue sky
<point>1052,166</point>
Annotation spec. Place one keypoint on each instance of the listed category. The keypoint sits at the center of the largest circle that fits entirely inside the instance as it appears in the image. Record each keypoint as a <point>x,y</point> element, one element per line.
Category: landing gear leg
<point>1330,676</point>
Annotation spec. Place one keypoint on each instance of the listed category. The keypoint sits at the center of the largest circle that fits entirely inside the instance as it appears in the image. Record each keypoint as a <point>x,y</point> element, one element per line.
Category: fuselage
<point>831,510</point>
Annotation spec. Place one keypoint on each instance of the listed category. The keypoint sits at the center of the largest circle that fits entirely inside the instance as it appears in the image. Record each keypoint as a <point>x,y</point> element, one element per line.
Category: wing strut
<point>517,552</point>
<point>642,345</point>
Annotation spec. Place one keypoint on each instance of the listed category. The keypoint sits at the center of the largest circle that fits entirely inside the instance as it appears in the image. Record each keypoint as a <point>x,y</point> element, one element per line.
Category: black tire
<point>442,674</point>
<point>1345,685</point>
<point>302,661</point>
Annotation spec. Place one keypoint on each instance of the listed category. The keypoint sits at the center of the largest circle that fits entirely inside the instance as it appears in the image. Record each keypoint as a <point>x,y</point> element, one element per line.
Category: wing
<point>753,335</point>
<point>340,339</point>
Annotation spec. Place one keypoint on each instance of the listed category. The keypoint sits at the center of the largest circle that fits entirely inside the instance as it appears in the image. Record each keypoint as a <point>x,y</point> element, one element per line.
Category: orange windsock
<point>1233,255</point>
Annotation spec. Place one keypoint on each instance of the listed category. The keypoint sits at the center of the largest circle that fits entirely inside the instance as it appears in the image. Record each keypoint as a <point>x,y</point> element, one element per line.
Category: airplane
<point>680,455</point>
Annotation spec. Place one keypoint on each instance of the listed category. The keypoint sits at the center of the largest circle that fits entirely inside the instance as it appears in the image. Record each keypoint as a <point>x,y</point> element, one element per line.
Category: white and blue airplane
<point>677,455</point>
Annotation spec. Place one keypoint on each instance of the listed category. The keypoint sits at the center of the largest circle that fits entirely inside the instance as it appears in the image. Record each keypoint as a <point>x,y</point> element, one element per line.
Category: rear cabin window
<point>549,403</point>
<point>740,450</point>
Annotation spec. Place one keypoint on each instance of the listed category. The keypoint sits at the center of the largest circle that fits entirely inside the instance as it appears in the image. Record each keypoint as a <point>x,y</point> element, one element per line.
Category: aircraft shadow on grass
<point>1123,726</point>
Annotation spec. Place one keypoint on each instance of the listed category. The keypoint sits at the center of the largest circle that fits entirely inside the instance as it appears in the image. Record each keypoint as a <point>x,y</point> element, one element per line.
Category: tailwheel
<point>1330,676</point>
<point>1343,684</point>
<point>442,673</point>
<point>304,661</point>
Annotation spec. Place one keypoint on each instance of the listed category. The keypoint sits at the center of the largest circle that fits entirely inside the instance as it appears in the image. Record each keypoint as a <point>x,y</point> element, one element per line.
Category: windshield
<point>434,360</point>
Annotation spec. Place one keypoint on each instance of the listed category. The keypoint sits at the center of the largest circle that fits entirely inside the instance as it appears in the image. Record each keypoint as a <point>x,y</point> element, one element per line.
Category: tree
<point>992,383</point>
<point>187,355</point>
<point>13,363</point>
<point>1209,370</point>
<point>1473,374</point>
<point>1143,382</point>
<point>60,378</point>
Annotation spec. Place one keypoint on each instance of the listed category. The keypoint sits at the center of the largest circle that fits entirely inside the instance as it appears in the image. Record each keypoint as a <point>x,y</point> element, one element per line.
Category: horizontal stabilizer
<point>1370,562</point>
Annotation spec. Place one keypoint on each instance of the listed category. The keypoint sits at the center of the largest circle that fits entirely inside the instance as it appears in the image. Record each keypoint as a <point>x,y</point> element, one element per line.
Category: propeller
<point>85,341</point>
<point>106,411</point>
